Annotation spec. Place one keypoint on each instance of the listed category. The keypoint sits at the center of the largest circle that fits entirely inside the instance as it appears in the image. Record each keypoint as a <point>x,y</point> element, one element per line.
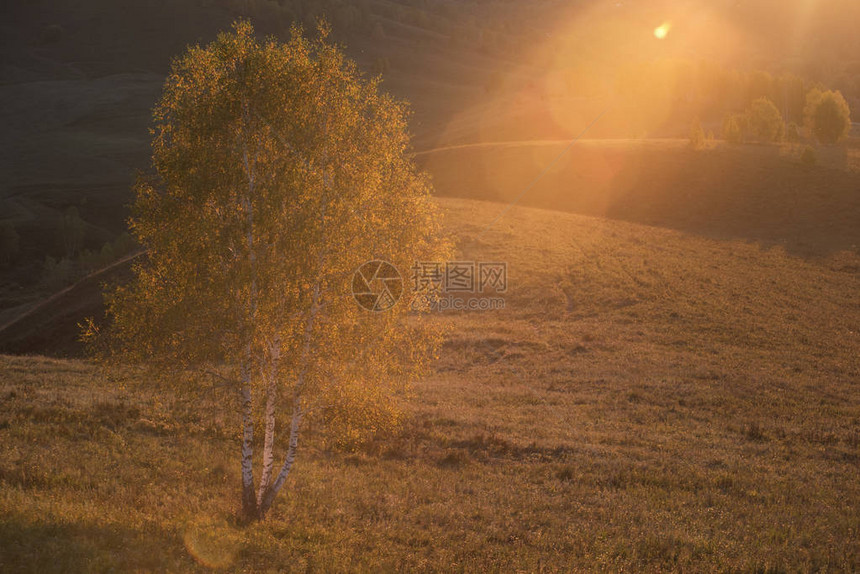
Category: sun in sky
<point>661,31</point>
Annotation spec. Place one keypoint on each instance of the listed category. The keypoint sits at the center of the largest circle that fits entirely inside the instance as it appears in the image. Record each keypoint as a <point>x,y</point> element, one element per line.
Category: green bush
<point>110,252</point>
<point>764,121</point>
<point>827,116</point>
<point>733,130</point>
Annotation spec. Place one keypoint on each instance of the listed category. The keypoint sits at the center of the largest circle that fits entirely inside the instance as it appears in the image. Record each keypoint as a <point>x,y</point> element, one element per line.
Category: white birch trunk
<point>249,507</point>
<point>269,438</point>
<point>269,496</point>
<point>272,491</point>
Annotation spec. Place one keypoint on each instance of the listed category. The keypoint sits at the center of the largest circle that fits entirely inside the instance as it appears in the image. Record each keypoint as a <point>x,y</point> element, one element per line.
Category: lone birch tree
<point>278,171</point>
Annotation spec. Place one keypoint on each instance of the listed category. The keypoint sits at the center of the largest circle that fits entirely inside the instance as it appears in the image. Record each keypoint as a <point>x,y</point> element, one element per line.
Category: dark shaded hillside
<point>51,327</point>
<point>78,81</point>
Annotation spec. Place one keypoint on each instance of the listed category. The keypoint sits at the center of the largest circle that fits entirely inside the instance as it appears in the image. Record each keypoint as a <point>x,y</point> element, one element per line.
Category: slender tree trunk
<point>269,439</point>
<point>273,490</point>
<point>249,502</point>
<point>269,493</point>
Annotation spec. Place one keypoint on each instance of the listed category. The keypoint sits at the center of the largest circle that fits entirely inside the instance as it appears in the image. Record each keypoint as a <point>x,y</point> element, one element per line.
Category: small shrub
<point>733,131</point>
<point>827,116</point>
<point>764,121</point>
<point>90,260</point>
<point>792,133</point>
<point>697,135</point>
<point>110,252</point>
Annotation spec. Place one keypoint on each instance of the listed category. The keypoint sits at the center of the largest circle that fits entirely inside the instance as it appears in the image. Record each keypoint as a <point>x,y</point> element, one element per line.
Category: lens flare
<point>661,31</point>
<point>212,543</point>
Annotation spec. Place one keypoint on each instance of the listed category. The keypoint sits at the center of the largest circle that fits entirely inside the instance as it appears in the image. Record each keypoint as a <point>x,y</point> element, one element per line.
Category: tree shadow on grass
<point>45,545</point>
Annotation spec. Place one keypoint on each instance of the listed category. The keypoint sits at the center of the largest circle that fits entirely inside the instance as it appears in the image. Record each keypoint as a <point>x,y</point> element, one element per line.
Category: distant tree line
<point>708,90</point>
<point>71,259</point>
<point>826,118</point>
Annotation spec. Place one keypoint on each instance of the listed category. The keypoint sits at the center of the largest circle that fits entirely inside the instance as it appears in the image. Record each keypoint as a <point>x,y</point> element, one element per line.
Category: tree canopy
<point>278,170</point>
<point>764,121</point>
<point>827,115</point>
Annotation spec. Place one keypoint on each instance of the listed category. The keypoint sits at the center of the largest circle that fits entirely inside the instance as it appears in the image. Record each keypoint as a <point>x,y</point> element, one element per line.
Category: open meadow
<point>648,400</point>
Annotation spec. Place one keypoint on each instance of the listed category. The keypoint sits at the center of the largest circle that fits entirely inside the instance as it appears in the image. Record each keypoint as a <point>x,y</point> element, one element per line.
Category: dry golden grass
<point>647,401</point>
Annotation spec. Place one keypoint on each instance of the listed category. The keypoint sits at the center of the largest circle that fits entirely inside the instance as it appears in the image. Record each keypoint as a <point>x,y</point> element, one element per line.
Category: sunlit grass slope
<point>647,401</point>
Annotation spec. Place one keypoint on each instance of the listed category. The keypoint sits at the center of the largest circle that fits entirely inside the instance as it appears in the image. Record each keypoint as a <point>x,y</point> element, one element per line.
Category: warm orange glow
<point>661,31</point>
<point>212,543</point>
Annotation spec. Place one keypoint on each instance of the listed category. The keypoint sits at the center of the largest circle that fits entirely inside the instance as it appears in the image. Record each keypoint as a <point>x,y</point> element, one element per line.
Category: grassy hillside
<point>761,193</point>
<point>647,400</point>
